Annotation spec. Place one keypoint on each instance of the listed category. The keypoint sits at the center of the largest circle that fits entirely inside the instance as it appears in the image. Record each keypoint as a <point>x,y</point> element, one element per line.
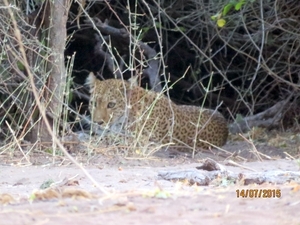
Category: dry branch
<point>267,118</point>
<point>123,36</point>
<point>212,171</point>
<point>108,58</point>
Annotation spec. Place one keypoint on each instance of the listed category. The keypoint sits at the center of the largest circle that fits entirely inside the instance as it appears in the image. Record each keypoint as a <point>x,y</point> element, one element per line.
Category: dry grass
<point>252,63</point>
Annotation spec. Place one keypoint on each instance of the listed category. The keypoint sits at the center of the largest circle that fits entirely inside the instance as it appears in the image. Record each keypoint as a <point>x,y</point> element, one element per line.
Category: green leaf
<point>227,8</point>
<point>20,66</point>
<point>158,25</point>
<point>32,197</point>
<point>46,184</point>
<point>239,118</point>
<point>221,22</point>
<point>176,29</point>
<point>162,194</point>
<point>214,17</point>
<point>239,5</point>
<point>145,29</point>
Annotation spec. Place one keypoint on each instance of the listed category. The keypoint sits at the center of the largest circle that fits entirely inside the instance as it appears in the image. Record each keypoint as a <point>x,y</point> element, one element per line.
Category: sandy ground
<point>134,194</point>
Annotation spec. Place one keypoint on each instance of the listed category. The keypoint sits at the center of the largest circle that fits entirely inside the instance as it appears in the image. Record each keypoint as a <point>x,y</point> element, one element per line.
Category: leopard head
<point>107,101</point>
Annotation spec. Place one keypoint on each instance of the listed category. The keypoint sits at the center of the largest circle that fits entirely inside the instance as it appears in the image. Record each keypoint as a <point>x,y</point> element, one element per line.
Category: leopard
<point>154,115</point>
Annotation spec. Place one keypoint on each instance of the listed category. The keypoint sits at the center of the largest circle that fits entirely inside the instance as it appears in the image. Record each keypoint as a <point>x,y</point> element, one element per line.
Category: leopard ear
<point>91,81</point>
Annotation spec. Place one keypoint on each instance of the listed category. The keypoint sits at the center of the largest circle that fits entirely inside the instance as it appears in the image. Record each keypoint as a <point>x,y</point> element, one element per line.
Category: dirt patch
<point>135,194</point>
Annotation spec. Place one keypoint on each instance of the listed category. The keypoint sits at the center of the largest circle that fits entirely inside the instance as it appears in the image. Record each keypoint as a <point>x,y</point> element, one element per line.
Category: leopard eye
<point>111,105</point>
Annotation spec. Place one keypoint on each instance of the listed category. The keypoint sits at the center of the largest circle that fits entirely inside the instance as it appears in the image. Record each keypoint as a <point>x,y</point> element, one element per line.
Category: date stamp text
<point>258,193</point>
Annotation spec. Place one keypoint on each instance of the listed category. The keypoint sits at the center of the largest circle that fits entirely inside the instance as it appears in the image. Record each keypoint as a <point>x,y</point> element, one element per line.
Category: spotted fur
<point>153,115</point>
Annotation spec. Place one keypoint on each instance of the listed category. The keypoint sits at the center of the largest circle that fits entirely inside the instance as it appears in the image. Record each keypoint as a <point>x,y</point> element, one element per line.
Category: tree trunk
<point>55,86</point>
